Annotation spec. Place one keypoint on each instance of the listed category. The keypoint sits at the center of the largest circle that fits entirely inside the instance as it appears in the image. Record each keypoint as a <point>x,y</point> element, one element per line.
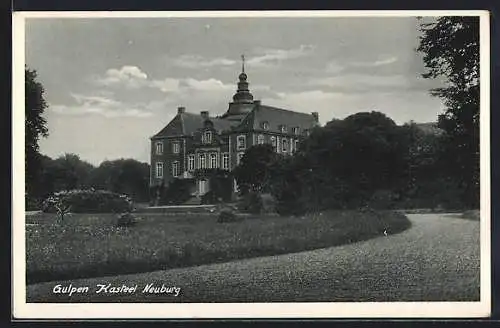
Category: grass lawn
<point>90,245</point>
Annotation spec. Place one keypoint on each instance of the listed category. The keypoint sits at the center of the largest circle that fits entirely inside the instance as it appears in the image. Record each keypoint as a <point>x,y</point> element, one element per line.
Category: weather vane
<point>243,63</point>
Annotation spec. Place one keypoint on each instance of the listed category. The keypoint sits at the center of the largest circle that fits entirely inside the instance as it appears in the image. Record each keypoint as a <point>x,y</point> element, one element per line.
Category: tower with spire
<point>243,101</point>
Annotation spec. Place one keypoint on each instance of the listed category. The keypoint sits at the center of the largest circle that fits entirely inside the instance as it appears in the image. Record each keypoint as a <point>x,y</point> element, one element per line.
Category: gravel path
<point>437,259</point>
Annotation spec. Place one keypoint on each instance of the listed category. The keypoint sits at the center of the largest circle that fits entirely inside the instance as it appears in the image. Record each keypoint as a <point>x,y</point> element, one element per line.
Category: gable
<point>173,128</point>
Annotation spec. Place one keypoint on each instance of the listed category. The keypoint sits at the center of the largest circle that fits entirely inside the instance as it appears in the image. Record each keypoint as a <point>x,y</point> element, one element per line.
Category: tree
<point>35,127</point>
<point>451,50</point>
<point>343,165</point>
<point>127,176</point>
<point>65,173</point>
<point>352,158</point>
<point>254,171</point>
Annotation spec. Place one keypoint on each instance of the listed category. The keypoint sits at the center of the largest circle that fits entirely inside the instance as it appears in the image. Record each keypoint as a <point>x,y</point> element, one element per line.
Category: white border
<point>23,310</point>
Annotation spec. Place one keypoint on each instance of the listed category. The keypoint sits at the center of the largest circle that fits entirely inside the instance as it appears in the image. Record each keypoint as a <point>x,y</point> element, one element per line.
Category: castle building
<point>192,141</point>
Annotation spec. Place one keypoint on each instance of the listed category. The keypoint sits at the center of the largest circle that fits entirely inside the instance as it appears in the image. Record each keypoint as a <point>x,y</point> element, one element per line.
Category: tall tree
<point>127,176</point>
<point>35,127</point>
<point>254,171</point>
<point>451,51</point>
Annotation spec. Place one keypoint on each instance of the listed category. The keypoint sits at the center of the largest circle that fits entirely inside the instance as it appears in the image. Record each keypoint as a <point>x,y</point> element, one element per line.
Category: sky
<point>112,83</point>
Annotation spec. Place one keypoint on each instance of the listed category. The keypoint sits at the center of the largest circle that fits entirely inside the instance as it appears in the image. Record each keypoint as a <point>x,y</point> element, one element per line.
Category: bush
<point>268,203</point>
<point>227,215</point>
<point>32,204</point>
<point>126,220</point>
<point>210,197</point>
<point>89,201</point>
<point>251,202</point>
<point>178,192</point>
<point>382,200</point>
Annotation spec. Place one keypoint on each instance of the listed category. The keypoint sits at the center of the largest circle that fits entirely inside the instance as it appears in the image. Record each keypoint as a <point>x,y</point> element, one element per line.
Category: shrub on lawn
<point>382,199</point>
<point>226,215</point>
<point>32,204</point>
<point>177,192</point>
<point>126,220</point>
<point>88,201</point>
<point>251,202</point>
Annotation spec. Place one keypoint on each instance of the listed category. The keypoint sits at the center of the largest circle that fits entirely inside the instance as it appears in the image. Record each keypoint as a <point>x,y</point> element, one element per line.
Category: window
<point>273,142</point>
<point>213,160</point>
<point>159,147</point>
<point>260,139</point>
<point>159,169</point>
<point>201,163</point>
<point>191,163</point>
<point>265,125</point>
<point>296,130</point>
<point>240,156</point>
<point>207,137</point>
<point>283,129</point>
<point>175,169</point>
<point>241,142</point>
<point>284,145</point>
<point>175,147</point>
<point>296,144</point>
<point>225,161</point>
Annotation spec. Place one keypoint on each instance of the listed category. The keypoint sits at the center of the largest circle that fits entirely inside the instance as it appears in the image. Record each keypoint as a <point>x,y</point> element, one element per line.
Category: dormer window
<point>296,130</point>
<point>283,129</point>
<point>207,137</point>
<point>265,125</point>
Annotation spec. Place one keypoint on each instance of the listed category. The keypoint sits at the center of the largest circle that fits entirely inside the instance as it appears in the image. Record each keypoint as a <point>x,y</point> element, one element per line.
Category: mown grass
<point>88,245</point>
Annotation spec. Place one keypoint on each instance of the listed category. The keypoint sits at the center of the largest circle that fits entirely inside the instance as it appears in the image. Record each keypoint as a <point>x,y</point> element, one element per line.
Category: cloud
<point>269,56</point>
<point>166,85</point>
<point>196,61</point>
<point>99,105</point>
<point>355,83</point>
<point>337,67</point>
<point>205,85</point>
<point>381,62</point>
<point>128,76</point>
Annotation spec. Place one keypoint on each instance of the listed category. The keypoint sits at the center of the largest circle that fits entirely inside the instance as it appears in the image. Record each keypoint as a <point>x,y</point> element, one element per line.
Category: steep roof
<point>188,123</point>
<point>276,117</point>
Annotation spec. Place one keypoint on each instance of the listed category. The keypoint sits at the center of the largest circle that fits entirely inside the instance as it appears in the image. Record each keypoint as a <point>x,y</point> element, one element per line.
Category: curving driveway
<point>437,259</point>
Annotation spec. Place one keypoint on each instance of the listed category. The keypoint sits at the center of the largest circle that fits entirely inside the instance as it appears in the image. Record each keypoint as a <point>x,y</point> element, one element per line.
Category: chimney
<point>181,110</point>
<point>204,114</point>
<point>316,116</point>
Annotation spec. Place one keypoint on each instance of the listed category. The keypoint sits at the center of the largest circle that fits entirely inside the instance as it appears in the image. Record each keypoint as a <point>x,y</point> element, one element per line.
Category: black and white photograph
<point>251,164</point>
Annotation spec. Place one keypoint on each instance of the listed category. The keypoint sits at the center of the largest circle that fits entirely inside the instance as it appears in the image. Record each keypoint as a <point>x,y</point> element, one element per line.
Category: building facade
<point>192,141</point>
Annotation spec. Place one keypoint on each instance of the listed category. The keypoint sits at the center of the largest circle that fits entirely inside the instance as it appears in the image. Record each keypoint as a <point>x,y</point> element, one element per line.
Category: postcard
<point>251,164</point>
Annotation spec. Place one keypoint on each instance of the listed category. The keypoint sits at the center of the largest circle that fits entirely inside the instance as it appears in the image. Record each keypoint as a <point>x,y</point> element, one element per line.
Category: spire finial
<point>243,63</point>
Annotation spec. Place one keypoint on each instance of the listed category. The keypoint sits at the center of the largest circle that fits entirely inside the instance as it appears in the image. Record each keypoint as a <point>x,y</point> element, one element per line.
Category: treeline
<point>67,172</point>
<point>364,160</point>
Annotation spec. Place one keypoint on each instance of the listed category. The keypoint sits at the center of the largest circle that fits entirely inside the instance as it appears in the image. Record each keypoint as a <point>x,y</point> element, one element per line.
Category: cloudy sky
<point>111,83</point>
